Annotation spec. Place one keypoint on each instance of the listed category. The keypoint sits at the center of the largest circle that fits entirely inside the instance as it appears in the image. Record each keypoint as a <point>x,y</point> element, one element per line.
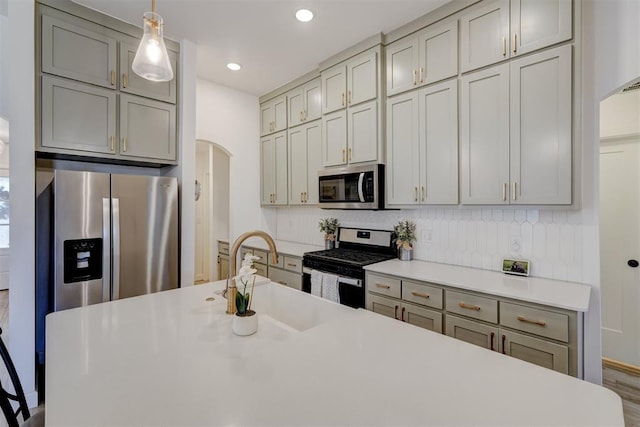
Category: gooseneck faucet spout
<point>231,292</point>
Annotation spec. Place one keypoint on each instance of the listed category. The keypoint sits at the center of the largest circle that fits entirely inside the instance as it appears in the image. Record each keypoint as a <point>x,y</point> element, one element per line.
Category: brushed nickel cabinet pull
<point>515,42</point>
<point>380,285</point>
<point>402,314</point>
<point>113,78</point>
<point>514,190</point>
<point>504,46</point>
<point>423,194</point>
<point>469,306</point>
<point>491,337</point>
<point>125,80</point>
<point>124,144</point>
<point>421,74</point>
<point>533,322</point>
<point>420,294</point>
<point>504,191</point>
<point>415,81</point>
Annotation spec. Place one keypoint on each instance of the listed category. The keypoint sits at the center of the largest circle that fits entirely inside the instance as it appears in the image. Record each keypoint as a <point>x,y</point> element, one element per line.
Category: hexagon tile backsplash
<point>472,237</point>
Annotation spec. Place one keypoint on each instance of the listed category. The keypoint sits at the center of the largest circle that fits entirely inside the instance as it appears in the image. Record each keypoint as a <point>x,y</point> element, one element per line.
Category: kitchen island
<point>170,358</point>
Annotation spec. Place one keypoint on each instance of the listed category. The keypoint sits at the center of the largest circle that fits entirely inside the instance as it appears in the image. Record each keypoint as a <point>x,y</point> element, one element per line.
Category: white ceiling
<point>264,36</point>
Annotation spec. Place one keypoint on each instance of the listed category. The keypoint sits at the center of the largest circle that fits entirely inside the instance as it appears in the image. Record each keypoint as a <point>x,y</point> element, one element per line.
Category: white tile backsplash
<point>473,237</point>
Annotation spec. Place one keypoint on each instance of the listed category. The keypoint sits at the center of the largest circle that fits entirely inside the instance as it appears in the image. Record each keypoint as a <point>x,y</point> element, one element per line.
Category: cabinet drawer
<point>383,285</point>
<point>279,264</point>
<point>262,270</point>
<point>292,264</point>
<point>286,278</point>
<point>535,321</point>
<point>472,306</point>
<point>422,294</point>
<point>244,251</point>
<point>263,256</point>
<point>223,248</point>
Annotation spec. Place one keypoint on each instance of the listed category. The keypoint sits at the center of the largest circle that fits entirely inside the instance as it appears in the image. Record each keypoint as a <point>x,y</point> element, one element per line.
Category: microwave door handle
<point>360,189</point>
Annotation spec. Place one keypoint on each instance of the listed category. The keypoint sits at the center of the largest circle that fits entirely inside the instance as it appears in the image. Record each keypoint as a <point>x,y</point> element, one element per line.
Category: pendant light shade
<point>152,61</point>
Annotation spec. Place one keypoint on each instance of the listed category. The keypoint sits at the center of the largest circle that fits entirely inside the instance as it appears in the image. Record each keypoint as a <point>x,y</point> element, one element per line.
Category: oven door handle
<point>360,189</point>
<point>341,279</point>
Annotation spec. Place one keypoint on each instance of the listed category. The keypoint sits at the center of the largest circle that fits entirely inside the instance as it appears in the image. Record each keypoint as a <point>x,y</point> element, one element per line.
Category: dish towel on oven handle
<point>330,287</point>
<point>316,283</point>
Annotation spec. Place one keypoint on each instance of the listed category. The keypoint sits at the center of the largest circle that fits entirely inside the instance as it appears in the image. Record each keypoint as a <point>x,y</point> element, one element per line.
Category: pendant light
<point>152,61</point>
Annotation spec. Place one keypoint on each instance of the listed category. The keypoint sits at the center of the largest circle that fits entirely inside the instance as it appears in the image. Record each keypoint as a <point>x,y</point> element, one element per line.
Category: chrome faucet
<point>232,290</point>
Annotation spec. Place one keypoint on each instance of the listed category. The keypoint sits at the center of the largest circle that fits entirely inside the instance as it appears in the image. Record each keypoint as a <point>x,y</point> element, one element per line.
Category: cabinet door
<point>403,159</point>
<point>362,78</point>
<point>223,267</point>
<point>314,160</point>
<point>534,350</point>
<point>268,170</point>
<point>422,317</point>
<point>295,107</point>
<point>78,53</point>
<point>385,306</point>
<point>334,139</point>
<point>439,143</point>
<point>402,66</point>
<point>280,141</point>
<point>147,128</point>
<point>472,332</point>
<point>362,133</point>
<point>541,128</point>
<point>334,86</point>
<point>312,95</point>
<point>484,35</point>
<point>130,82</point>
<point>280,113</point>
<point>287,278</point>
<point>297,165</point>
<point>484,133</point>
<point>438,53</point>
<point>536,24</point>
<point>77,116</point>
<point>267,118</point>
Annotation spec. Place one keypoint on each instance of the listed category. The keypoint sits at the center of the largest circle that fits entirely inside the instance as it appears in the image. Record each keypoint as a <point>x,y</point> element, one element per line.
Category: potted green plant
<point>245,320</point>
<point>405,236</point>
<point>329,226</point>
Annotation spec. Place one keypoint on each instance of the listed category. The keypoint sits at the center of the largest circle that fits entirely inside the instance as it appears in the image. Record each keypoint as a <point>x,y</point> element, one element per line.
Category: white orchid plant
<point>245,275</point>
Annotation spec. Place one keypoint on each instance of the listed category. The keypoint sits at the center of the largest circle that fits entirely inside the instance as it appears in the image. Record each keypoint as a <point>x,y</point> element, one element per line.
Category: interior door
<point>145,234</point>
<point>620,243</point>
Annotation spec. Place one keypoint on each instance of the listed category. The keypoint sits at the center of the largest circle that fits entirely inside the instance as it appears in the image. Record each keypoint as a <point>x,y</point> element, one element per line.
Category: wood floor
<point>625,384</point>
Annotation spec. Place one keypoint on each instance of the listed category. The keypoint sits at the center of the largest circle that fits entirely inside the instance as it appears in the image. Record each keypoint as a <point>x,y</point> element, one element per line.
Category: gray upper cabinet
<point>502,29</point>
<point>147,128</point>
<point>273,115</point>
<point>70,49</point>
<point>304,103</point>
<point>132,83</point>
<point>77,116</point>
<point>350,83</point>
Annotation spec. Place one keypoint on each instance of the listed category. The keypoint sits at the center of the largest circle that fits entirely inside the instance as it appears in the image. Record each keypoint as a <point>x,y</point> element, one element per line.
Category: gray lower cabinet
<point>223,267</point>
<point>77,116</point>
<point>147,128</point>
<point>540,352</point>
<point>472,332</point>
<point>285,277</point>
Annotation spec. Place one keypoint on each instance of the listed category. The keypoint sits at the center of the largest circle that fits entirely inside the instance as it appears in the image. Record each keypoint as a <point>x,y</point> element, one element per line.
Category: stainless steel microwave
<point>353,187</point>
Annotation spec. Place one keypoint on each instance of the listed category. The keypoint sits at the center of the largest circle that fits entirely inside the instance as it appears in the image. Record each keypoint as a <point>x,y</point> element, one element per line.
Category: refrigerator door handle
<point>106,251</point>
<point>116,249</point>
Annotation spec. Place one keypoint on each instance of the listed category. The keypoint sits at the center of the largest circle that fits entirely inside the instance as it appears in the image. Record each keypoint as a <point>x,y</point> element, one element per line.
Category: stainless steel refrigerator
<point>114,236</point>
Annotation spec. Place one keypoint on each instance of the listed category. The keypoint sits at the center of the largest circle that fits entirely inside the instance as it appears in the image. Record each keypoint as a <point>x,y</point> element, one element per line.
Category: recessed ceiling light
<point>304,15</point>
<point>233,66</point>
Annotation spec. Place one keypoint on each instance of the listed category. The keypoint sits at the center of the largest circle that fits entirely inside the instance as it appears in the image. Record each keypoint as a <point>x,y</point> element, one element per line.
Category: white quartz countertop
<point>283,246</point>
<point>170,359</point>
<point>554,293</point>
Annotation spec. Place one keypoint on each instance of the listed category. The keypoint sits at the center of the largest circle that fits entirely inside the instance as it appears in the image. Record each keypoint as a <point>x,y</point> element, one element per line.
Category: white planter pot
<point>245,325</point>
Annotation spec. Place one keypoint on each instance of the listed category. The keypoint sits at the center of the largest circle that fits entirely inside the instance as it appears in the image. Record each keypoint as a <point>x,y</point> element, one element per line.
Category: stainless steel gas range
<point>357,248</point>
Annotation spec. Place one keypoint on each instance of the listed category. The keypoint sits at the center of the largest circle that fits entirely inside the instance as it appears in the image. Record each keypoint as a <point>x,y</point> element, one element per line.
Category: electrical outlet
<point>515,244</point>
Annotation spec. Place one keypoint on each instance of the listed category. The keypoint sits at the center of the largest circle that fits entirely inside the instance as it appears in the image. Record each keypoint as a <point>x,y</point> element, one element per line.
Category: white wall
<point>620,115</point>
<point>230,118</point>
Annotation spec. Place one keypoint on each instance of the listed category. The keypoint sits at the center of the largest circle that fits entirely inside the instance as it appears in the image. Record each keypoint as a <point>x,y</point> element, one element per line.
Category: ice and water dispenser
<point>82,260</point>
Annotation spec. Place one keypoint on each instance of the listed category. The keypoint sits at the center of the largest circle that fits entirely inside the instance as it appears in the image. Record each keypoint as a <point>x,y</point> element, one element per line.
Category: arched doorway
<point>212,208</point>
